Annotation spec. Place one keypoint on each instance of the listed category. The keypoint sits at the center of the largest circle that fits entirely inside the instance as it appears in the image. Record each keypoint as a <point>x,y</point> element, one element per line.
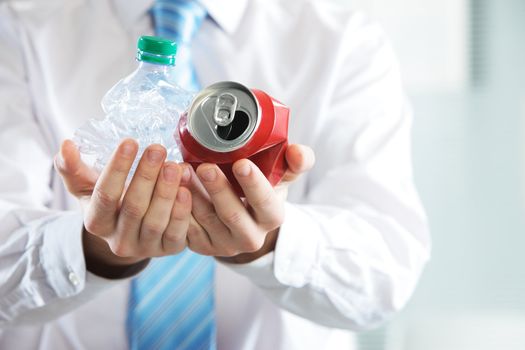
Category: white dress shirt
<point>354,240</point>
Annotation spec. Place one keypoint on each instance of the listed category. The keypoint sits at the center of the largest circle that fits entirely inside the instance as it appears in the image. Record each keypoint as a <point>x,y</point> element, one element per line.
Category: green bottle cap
<point>156,50</point>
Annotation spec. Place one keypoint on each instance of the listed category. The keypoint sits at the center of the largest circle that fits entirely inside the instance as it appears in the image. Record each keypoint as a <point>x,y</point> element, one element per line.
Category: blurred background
<point>463,65</point>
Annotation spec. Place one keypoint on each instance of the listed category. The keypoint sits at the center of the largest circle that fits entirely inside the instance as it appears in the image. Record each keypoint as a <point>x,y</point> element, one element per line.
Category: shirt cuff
<point>297,249</point>
<point>64,270</point>
<point>259,271</point>
<point>62,255</point>
<point>294,261</point>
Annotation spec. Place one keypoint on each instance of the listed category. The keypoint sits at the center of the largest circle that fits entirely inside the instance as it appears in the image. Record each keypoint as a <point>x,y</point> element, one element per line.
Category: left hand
<point>235,230</point>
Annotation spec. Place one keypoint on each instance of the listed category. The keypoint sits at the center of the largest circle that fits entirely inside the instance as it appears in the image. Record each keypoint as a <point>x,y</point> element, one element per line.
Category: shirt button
<point>73,278</point>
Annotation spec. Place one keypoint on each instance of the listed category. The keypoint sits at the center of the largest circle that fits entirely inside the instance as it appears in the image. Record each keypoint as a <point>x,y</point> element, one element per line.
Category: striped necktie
<point>171,304</point>
<point>179,20</point>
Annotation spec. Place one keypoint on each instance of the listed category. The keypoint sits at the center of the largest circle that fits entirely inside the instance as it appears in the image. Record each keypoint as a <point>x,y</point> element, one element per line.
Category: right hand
<point>125,225</point>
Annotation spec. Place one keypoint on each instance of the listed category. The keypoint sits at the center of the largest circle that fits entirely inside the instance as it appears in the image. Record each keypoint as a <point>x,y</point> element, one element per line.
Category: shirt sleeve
<point>42,268</point>
<point>349,254</point>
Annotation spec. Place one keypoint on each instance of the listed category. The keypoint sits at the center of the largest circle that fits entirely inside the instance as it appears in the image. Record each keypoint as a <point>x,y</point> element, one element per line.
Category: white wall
<point>436,29</point>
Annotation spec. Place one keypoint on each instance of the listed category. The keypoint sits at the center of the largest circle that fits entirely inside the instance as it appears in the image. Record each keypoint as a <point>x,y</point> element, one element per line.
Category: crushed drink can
<point>228,121</point>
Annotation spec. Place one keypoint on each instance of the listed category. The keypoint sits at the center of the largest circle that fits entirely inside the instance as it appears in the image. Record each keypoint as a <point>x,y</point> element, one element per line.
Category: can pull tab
<point>225,108</point>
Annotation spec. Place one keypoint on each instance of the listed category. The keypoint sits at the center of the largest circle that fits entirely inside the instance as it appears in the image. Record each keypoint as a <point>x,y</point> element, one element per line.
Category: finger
<point>203,211</point>
<point>230,208</point>
<point>79,178</point>
<point>138,196</point>
<point>268,209</point>
<point>197,239</point>
<point>158,214</point>
<point>299,159</point>
<point>174,237</point>
<point>102,211</point>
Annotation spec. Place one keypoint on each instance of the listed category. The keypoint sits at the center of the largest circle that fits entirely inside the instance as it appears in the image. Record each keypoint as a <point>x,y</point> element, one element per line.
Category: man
<point>333,249</point>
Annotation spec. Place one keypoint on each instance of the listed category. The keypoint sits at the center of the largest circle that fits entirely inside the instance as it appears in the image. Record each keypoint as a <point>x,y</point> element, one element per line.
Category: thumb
<point>79,178</point>
<point>300,159</point>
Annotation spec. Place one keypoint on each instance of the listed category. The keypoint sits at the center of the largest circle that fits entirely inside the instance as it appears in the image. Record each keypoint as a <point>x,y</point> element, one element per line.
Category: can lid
<point>224,116</point>
<point>157,50</point>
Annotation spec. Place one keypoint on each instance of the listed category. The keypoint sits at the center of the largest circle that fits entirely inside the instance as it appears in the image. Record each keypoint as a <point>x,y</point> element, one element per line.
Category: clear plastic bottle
<point>145,106</point>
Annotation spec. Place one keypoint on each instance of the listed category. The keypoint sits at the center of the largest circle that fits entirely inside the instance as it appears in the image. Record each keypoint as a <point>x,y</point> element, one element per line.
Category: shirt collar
<point>226,13</point>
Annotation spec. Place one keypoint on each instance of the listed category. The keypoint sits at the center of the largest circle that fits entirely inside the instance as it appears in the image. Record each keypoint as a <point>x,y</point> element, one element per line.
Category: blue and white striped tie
<point>171,304</point>
<point>179,20</point>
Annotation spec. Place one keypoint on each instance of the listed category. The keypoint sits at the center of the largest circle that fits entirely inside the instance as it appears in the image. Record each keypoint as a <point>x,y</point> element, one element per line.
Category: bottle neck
<point>155,68</point>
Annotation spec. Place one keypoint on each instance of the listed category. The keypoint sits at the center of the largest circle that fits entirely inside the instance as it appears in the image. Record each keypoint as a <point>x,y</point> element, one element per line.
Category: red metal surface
<point>266,148</point>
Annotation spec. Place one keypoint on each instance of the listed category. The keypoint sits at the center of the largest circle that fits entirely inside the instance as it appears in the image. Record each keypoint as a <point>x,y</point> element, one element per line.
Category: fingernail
<point>154,156</point>
<point>182,196</point>
<point>170,173</point>
<point>186,174</point>
<point>243,170</point>
<point>209,175</point>
<point>128,148</point>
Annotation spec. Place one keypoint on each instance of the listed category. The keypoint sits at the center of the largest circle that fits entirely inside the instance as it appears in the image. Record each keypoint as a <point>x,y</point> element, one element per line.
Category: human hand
<point>235,230</point>
<point>127,224</point>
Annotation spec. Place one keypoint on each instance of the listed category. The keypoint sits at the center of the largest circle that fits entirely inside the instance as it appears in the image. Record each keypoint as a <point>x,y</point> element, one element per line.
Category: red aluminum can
<point>227,122</point>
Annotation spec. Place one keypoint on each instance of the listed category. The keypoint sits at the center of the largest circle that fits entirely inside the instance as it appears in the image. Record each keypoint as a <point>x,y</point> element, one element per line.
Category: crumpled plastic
<point>143,106</point>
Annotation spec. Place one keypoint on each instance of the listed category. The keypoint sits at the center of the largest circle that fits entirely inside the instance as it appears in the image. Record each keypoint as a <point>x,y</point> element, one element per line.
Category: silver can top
<point>223,116</point>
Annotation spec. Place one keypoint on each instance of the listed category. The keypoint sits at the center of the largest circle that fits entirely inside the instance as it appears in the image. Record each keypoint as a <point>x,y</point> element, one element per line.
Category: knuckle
<point>173,238</point>
<point>146,176</point>
<point>251,245</point>
<point>232,219</point>
<point>275,221</point>
<point>176,235</point>
<point>164,194</point>
<point>209,219</point>
<point>104,199</point>
<point>95,226</point>
<point>215,190</point>
<point>196,243</point>
<point>132,210</point>
<point>193,233</point>
<point>120,166</point>
<point>179,215</point>
<point>152,229</point>
<point>92,226</point>
<point>121,249</point>
<point>264,201</point>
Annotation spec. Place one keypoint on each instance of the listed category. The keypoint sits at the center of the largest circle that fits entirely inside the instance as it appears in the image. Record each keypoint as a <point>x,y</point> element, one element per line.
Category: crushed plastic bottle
<point>145,106</point>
